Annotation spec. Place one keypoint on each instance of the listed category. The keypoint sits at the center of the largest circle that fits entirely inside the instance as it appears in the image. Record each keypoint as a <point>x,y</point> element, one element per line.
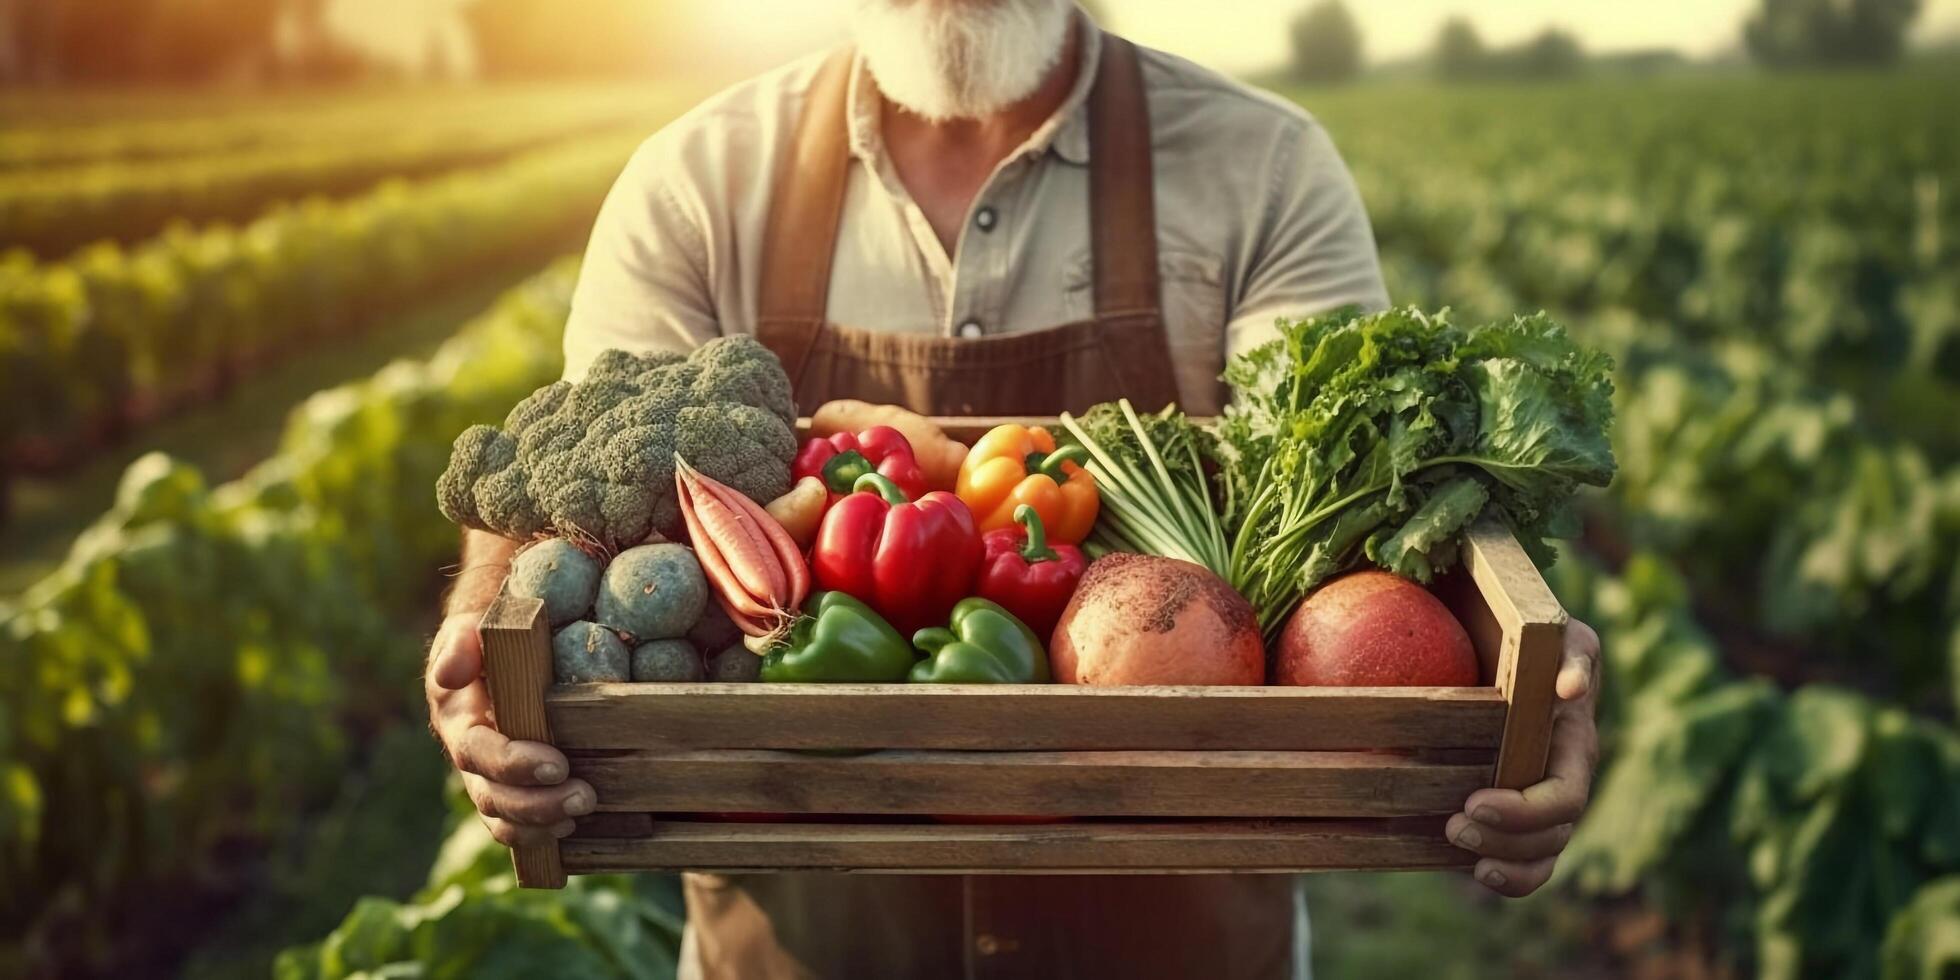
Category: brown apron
<point>797,925</point>
<point>1120,352</point>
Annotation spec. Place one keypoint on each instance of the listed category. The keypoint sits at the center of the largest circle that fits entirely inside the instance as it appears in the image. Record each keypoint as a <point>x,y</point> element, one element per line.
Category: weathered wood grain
<point>1031,717</point>
<point>1459,592</point>
<point>1533,629</point>
<point>1124,784</point>
<point>1065,848</point>
<point>517,668</point>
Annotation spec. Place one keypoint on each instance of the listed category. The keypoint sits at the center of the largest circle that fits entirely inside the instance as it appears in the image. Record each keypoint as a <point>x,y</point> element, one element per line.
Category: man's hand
<point>1520,833</point>
<point>519,787</point>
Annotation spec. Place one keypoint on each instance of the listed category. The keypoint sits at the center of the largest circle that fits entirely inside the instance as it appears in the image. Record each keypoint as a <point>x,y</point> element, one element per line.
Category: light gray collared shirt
<point>1257,217</point>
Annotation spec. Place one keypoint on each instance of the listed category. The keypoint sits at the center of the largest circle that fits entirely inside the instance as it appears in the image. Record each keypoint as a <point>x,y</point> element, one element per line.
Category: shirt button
<point>970,330</point>
<point>986,219</point>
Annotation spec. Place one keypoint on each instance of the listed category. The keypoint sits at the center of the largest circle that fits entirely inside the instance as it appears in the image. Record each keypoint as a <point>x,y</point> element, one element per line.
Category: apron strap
<point>1123,229</point>
<point>1122,206</point>
<point>806,207</point>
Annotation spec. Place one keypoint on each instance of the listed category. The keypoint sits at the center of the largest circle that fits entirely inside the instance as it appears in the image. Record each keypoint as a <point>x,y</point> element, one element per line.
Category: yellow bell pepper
<point>1018,464</point>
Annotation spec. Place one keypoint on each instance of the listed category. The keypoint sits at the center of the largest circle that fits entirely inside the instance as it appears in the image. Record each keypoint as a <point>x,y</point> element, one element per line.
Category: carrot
<point>756,569</point>
<point>736,599</point>
<point>747,614</point>
<point>742,544</point>
<point>788,553</point>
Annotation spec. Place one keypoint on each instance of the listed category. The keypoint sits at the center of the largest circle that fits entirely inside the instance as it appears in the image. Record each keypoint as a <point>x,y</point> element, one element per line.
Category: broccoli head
<point>595,460</point>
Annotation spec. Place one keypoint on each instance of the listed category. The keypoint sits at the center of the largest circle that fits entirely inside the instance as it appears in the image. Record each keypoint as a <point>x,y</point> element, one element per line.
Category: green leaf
<point>1346,413</point>
<point>373,935</point>
<point>1922,942</point>
<point>1663,780</point>
<point>1408,550</point>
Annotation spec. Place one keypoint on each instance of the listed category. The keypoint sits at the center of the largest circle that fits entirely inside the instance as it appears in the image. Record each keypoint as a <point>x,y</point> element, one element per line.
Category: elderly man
<point>981,207</point>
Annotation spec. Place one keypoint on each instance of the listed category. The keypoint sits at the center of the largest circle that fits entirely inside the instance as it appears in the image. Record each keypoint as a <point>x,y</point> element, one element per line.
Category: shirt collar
<point>1066,133</point>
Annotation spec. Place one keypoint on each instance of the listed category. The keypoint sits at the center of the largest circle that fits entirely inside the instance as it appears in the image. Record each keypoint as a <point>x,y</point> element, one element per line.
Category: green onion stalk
<point>1152,502</point>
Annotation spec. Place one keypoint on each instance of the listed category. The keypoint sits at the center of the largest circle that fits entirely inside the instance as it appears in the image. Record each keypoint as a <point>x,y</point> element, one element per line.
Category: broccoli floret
<point>593,460</point>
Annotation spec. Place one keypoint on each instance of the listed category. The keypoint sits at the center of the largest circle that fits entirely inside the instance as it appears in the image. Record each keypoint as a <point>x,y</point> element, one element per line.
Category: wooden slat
<point>1064,848</point>
<point>1533,628</point>
<point>604,824</point>
<point>1126,784</point>
<point>1032,717</point>
<point>517,667</point>
<point>1507,577</point>
<point>1459,592</point>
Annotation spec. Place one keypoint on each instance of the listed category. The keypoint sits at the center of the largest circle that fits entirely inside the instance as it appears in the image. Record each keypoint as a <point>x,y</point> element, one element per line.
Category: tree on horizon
<point>1326,43</point>
<point>1828,33</point>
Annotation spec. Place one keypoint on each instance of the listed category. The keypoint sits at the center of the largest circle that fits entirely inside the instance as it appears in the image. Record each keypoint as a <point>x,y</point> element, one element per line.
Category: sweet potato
<point>1141,619</point>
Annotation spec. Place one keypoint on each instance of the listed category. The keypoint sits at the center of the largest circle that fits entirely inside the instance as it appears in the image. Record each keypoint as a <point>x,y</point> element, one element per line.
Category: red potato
<point>1374,629</point>
<point>1140,619</point>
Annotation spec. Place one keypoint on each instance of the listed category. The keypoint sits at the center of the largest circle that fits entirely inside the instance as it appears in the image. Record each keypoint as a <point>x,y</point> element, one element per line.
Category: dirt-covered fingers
<point>484,751</point>
<point>511,834</point>
<point>538,806</point>
<point>1559,798</point>
<point>1529,845</point>
<point>1514,879</point>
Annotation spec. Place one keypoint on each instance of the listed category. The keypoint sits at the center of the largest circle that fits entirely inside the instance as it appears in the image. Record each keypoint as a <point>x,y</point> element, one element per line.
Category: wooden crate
<point>1156,779</point>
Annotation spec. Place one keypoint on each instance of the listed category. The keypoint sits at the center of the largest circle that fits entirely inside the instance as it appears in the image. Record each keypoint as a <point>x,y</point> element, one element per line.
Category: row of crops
<point>197,671</point>
<point>111,337</point>
<point>1777,274</point>
<point>66,186</point>
<point>129,127</point>
<point>201,675</point>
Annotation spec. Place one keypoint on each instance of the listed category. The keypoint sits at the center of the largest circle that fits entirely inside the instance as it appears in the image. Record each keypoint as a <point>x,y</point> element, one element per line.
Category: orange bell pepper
<point>1018,464</point>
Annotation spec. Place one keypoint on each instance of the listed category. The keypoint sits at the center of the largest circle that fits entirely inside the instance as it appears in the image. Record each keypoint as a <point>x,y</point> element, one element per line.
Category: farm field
<point>66,182</point>
<point>205,698</point>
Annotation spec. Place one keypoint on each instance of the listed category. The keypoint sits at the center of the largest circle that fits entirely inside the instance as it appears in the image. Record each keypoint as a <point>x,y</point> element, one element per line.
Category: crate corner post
<point>1533,625</point>
<point>517,668</point>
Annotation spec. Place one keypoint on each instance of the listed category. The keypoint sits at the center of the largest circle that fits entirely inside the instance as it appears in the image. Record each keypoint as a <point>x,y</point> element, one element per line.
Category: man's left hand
<point>1520,833</point>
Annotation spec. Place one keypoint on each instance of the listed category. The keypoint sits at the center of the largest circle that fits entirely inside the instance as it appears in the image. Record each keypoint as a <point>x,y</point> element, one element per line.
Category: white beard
<point>960,59</point>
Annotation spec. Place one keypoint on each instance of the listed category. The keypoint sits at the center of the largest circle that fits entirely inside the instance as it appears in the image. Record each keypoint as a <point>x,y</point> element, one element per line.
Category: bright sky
<point>1238,35</point>
<point>1231,35</point>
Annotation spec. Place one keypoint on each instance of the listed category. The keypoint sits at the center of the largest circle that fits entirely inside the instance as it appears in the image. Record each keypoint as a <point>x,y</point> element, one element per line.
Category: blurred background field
<point>296,245</point>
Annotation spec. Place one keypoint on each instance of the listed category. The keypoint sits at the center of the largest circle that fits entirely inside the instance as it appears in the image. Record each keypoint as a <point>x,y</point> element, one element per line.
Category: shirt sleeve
<point>644,285</point>
<point>1318,253</point>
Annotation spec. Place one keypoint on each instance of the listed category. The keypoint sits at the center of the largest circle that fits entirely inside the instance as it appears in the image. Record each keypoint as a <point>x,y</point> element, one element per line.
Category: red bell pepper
<point>841,458</point>
<point>1028,576</point>
<point>910,561</point>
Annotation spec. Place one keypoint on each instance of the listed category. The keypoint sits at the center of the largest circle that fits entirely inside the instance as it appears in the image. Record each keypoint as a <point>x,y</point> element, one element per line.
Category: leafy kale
<point>1381,437</point>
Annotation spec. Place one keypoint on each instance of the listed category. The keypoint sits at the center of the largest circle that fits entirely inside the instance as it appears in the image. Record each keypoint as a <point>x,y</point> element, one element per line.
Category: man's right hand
<point>519,787</point>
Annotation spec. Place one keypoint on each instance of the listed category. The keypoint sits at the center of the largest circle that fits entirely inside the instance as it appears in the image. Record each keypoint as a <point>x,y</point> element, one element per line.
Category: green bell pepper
<point>985,644</point>
<point>839,640</point>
